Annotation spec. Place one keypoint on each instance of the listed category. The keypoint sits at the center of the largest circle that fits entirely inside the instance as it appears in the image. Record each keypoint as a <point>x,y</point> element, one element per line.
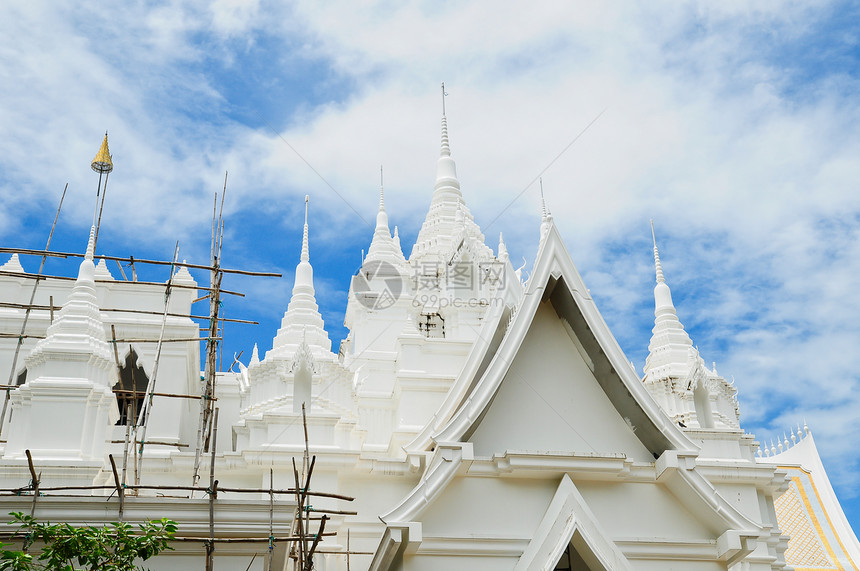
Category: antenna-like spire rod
<point>443,98</point>
<point>542,200</point>
<point>381,190</point>
<point>546,215</point>
<point>103,165</point>
<point>305,253</point>
<point>657,264</point>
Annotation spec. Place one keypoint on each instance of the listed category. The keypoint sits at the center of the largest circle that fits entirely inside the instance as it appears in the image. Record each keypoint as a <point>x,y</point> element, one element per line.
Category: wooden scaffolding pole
<point>147,408</point>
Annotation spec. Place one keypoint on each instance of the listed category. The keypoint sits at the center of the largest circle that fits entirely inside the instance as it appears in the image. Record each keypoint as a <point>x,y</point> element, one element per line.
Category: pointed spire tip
<point>102,162</point>
<point>305,251</point>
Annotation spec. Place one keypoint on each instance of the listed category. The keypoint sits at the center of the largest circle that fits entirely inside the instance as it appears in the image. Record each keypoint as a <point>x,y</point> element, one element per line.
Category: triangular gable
<point>555,278</point>
<point>810,513</point>
<point>569,520</point>
<point>550,400</point>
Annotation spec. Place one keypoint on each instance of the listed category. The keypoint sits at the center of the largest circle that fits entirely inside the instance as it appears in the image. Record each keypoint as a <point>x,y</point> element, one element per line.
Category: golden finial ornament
<point>102,162</point>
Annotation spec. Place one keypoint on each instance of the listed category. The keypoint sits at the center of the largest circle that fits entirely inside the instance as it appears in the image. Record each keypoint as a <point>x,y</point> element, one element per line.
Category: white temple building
<point>480,421</point>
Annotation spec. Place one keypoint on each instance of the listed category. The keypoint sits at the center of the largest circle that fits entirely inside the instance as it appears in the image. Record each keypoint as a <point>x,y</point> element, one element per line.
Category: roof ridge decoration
<point>302,320</point>
<point>784,445</point>
<point>102,162</point>
<point>502,255</point>
<point>546,215</point>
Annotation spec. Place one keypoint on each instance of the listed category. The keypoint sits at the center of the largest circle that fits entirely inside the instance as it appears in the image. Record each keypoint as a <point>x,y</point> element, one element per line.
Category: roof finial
<point>91,245</point>
<point>305,252</point>
<point>446,147</point>
<point>102,163</point>
<point>545,215</point>
<point>381,191</point>
<point>503,255</point>
<point>542,201</point>
<point>657,264</point>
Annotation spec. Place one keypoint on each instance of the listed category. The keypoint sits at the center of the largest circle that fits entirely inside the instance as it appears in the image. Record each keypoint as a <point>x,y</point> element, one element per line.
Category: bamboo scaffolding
<point>52,307</point>
<point>131,259</point>
<point>175,340</point>
<point>204,422</point>
<point>285,492</point>
<point>41,276</point>
<point>15,534</point>
<point>304,543</point>
<point>169,395</point>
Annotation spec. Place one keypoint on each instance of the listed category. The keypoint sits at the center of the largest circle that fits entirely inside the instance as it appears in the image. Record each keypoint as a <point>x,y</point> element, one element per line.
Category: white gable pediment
<point>581,356</point>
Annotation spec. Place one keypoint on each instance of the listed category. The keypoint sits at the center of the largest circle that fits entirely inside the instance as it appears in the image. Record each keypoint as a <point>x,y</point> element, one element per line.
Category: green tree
<point>113,547</point>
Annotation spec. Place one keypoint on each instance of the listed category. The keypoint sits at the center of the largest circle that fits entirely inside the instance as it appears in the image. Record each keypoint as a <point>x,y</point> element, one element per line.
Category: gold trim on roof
<point>102,162</point>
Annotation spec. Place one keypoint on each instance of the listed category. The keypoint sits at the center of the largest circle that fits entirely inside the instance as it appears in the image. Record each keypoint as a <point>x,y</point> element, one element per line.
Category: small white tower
<point>66,408</point>
<point>675,374</point>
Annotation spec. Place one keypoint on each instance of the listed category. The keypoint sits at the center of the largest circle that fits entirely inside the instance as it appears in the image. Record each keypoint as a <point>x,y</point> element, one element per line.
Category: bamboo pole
<point>170,395</point>
<point>35,482</point>
<point>213,495</point>
<point>271,517</point>
<point>119,488</point>
<point>132,260</point>
<point>147,410</point>
<point>287,491</point>
<point>101,207</point>
<point>40,276</point>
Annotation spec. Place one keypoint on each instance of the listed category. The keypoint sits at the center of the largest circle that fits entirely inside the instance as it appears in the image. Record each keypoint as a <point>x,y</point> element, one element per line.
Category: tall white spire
<point>659,266</point>
<point>302,315</point>
<point>383,247</point>
<point>676,374</point>
<point>669,350</point>
<point>305,253</point>
<point>434,242</point>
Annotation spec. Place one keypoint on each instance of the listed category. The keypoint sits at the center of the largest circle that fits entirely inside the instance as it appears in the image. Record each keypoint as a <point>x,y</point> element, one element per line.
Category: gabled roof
<point>556,278</point>
<point>810,513</point>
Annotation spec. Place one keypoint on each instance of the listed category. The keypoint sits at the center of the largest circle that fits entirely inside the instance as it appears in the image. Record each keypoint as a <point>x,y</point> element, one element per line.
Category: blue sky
<point>734,127</point>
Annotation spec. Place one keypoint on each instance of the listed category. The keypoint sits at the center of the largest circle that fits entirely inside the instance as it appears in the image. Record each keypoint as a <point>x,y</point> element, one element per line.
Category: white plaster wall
<point>550,401</point>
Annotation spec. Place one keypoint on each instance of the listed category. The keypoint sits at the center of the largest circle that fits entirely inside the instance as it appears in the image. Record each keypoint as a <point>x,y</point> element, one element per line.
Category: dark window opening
<point>130,390</point>
<point>432,325</point>
<point>22,377</point>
